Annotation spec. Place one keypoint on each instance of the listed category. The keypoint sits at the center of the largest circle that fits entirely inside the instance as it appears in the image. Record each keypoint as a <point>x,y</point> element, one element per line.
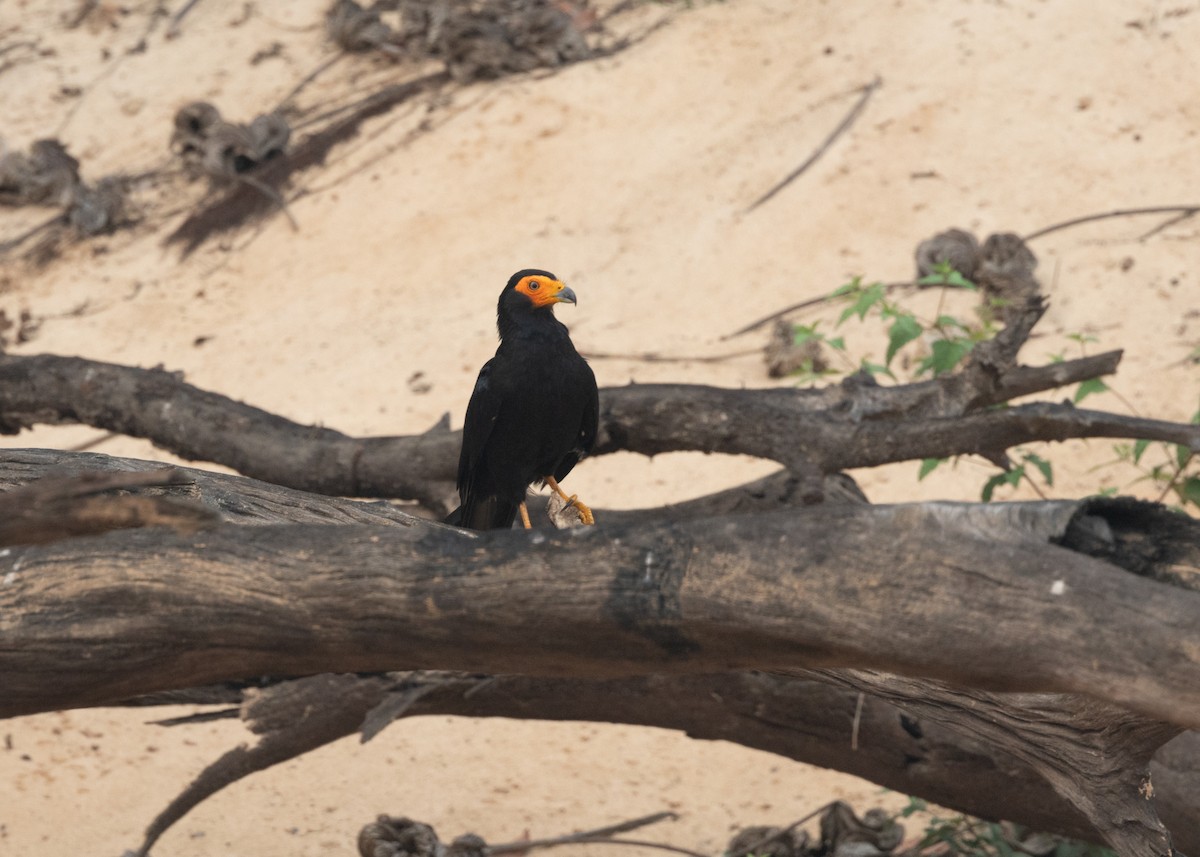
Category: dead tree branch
<point>854,424</point>
<point>248,501</point>
<point>160,611</point>
<point>865,95</point>
<point>912,742</point>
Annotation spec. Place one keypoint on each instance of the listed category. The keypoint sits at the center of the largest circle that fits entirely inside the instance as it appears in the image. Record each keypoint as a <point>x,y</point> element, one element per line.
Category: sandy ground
<point>629,177</point>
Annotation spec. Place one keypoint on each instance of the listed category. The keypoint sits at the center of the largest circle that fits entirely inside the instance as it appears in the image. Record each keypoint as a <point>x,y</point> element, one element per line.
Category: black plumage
<point>534,411</point>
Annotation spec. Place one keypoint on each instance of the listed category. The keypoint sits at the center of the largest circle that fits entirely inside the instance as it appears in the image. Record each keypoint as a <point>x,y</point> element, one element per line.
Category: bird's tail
<point>487,513</point>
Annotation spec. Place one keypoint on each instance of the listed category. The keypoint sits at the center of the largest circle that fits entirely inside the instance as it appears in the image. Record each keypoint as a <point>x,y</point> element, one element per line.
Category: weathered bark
<point>781,590</point>
<point>241,500</point>
<point>811,432</point>
<point>909,740</point>
<point>65,507</point>
<point>1093,755</point>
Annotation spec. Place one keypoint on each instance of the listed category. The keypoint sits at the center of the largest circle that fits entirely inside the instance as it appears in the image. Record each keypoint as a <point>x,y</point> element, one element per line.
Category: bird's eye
<point>534,285</point>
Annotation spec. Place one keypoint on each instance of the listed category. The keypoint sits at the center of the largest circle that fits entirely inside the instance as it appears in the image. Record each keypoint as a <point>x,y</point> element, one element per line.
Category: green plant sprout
<point>973,837</point>
<point>941,344</point>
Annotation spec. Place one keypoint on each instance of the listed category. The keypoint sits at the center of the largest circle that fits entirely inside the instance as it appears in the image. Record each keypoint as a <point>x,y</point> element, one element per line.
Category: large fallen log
<point>151,609</point>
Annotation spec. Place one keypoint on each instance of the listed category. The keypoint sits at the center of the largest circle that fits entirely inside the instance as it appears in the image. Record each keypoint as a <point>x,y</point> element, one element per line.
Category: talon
<point>585,513</point>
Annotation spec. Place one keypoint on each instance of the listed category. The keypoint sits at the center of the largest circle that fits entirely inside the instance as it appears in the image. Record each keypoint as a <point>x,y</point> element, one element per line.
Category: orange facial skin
<point>544,291</point>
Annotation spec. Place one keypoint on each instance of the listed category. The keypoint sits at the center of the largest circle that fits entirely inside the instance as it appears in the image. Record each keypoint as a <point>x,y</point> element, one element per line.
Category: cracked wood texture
<point>1046,760</point>
<point>916,590</point>
<point>909,741</point>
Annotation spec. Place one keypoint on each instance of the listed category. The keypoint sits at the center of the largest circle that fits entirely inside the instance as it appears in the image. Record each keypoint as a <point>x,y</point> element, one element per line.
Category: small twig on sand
<point>805,304</point>
<point>867,91</point>
<point>642,843</point>
<point>1184,210</point>
<point>13,243</point>
<point>271,194</point>
<point>85,8</point>
<point>309,78</point>
<point>177,18</point>
<point>1168,223</point>
<point>753,847</point>
<point>599,834</point>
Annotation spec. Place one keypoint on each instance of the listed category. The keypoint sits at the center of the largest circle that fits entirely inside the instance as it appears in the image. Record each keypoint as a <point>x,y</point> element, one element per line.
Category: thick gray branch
<point>917,590</point>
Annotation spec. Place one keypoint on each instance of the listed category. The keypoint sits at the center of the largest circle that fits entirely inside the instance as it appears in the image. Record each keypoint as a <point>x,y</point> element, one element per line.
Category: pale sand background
<point>627,177</point>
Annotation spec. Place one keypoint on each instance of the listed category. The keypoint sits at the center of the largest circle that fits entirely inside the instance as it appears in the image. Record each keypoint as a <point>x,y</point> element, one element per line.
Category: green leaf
<point>1111,491</point>
<point>945,355</point>
<point>837,342</point>
<point>949,321</point>
<point>915,804</point>
<point>867,298</point>
<point>1182,454</point>
<point>928,465</point>
<point>1189,490</point>
<point>802,333</point>
<point>1012,477</point>
<point>954,278</point>
<point>1042,465</point>
<point>904,330</point>
<point>1138,449</point>
<point>1092,385</point>
<point>876,369</point>
<point>847,289</point>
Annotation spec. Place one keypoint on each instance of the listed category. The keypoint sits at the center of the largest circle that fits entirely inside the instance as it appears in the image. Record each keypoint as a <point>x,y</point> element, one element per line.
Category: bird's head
<point>535,288</point>
<point>529,298</point>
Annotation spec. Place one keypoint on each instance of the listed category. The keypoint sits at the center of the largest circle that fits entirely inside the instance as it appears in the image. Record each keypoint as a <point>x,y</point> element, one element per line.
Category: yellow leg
<point>584,512</point>
<point>525,517</point>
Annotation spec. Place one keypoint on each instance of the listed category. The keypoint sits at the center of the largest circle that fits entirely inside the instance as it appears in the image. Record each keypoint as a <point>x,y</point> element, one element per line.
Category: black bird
<point>534,411</point>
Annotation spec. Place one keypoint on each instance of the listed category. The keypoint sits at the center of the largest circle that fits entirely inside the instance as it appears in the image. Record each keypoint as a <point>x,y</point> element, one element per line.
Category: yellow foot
<point>585,513</point>
<point>525,516</point>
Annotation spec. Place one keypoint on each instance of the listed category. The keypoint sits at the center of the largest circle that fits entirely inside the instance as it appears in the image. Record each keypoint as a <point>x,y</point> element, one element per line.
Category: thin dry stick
<point>1167,224</point>
<point>598,833</point>
<point>1178,470</point>
<point>112,66</point>
<point>385,92</point>
<point>177,18</point>
<point>644,843</point>
<point>1120,212</point>
<point>85,8</point>
<point>867,91</point>
<point>753,847</point>
<point>309,78</point>
<point>93,443</point>
<point>13,243</point>
<point>271,194</point>
<point>858,707</point>
<point>811,302</point>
